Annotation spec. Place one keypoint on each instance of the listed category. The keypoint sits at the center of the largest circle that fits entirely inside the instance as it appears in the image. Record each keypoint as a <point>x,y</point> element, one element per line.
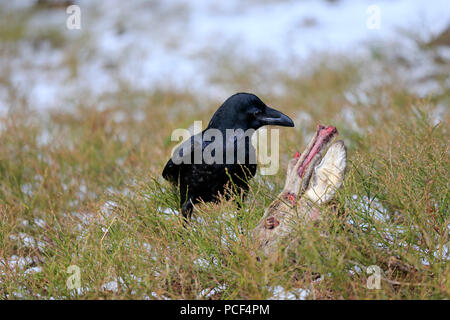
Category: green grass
<point>82,187</point>
<point>399,172</point>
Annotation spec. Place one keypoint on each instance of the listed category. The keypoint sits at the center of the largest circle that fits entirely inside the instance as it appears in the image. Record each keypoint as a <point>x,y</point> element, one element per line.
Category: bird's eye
<point>257,113</point>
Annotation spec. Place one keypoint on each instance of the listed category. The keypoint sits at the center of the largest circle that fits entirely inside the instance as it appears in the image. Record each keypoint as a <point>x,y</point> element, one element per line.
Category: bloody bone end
<point>323,136</point>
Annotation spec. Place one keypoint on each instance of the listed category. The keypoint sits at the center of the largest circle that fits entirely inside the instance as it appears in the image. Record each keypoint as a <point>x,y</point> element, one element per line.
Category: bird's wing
<point>171,172</point>
<point>183,154</point>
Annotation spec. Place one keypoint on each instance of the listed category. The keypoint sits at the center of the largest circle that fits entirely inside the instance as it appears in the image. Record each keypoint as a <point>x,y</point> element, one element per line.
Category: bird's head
<point>246,111</point>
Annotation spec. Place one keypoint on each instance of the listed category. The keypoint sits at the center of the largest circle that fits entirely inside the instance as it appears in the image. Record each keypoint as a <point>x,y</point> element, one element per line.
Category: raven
<point>233,163</point>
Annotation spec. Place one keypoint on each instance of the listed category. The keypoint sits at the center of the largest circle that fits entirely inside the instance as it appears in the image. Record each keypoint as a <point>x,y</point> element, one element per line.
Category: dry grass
<point>83,187</point>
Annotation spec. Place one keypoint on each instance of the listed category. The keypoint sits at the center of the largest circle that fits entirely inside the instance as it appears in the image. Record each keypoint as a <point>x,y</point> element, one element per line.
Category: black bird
<point>206,179</point>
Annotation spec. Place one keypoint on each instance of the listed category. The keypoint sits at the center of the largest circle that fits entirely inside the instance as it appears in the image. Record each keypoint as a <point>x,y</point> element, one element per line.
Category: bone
<point>328,175</point>
<point>303,192</point>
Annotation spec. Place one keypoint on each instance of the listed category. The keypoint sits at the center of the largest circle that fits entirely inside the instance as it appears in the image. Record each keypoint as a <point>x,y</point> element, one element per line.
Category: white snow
<point>279,293</point>
<point>163,44</point>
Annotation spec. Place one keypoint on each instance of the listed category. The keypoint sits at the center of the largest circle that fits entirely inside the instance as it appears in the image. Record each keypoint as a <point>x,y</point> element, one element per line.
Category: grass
<point>58,173</point>
<point>81,186</point>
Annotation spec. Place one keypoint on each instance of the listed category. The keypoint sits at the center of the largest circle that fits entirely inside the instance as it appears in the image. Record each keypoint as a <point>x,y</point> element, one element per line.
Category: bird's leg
<point>242,194</point>
<point>186,210</point>
<point>239,216</point>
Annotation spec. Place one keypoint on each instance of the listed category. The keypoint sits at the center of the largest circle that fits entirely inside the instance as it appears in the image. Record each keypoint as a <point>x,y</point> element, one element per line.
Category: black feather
<point>204,181</point>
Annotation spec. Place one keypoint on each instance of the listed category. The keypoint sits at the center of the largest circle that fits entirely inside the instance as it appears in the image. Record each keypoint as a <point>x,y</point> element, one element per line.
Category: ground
<point>80,180</point>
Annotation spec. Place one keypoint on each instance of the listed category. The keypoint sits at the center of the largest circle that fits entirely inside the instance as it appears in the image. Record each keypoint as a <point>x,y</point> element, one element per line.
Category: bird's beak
<point>275,118</point>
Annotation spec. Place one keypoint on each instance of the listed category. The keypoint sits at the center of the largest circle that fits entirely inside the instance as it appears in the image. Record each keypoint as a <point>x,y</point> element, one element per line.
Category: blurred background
<point>199,46</point>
